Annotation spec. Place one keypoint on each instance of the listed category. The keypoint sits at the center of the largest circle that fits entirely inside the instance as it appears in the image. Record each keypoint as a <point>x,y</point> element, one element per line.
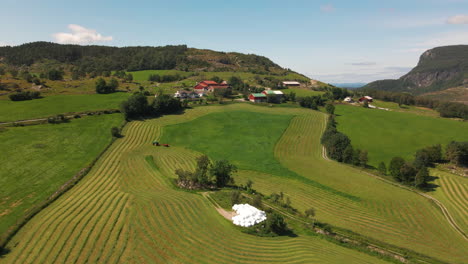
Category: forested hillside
<point>102,58</point>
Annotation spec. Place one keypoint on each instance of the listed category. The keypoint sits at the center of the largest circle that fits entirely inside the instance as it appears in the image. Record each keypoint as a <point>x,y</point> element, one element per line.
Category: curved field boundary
<point>442,207</point>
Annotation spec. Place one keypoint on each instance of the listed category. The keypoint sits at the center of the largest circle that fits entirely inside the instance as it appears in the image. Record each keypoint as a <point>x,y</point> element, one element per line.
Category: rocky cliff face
<point>438,69</point>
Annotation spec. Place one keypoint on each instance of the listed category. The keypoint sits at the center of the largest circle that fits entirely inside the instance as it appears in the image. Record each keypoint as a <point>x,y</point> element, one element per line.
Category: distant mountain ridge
<point>105,58</point>
<point>438,69</point>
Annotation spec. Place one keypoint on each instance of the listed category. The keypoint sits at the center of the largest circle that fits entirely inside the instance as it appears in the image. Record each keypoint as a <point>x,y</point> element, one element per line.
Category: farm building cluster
<point>204,88</point>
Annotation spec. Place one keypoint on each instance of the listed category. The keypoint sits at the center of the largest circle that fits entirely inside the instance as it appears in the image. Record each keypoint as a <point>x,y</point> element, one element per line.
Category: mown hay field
<point>127,211</point>
<point>36,160</point>
<point>453,193</point>
<point>387,134</point>
<point>58,104</point>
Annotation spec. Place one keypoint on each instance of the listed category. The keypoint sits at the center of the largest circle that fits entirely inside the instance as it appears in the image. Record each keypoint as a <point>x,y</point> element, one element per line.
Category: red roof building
<point>209,86</point>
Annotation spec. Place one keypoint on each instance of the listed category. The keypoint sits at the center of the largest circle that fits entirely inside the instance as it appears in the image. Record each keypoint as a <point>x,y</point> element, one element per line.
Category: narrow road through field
<point>442,207</point>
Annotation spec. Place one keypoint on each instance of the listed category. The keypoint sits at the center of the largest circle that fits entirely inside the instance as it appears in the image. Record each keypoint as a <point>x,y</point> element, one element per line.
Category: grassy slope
<point>126,211</point>
<point>52,105</point>
<point>38,159</point>
<point>386,134</point>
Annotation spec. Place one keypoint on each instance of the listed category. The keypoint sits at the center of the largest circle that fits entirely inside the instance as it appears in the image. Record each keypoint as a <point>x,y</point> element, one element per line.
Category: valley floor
<point>126,210</point>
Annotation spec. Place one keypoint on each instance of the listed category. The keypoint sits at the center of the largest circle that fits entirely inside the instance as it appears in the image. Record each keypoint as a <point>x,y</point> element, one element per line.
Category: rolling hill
<point>438,70</point>
<point>104,58</point>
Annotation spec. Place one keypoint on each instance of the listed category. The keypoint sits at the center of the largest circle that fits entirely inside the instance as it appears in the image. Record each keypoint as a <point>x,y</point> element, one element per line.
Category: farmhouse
<point>277,94</point>
<point>257,98</point>
<point>290,83</point>
<point>366,98</point>
<point>182,94</point>
<point>209,86</point>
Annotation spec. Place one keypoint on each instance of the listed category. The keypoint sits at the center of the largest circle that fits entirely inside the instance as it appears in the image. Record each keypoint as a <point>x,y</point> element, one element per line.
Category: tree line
<point>137,106</point>
<point>207,174</point>
<point>446,109</point>
<point>96,58</point>
<point>339,148</point>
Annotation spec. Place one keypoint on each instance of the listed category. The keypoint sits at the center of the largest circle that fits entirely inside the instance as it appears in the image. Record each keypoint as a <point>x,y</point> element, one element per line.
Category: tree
<point>292,96</point>
<point>135,106</point>
<point>55,75</point>
<point>421,177</point>
<point>248,186</point>
<point>382,168</point>
<point>275,223</point>
<point>336,145</point>
<point>115,131</point>
<point>457,153</point>
<point>222,171</point>
<point>408,172</point>
<point>257,201</point>
<point>129,77</point>
<point>348,154</point>
<point>101,86</point>
<point>235,197</point>
<point>422,159</point>
<point>310,212</point>
<point>356,157</point>
<point>166,104</point>
<point>395,166</point>
<point>330,108</point>
<point>201,172</point>
<point>113,85</point>
<point>216,79</point>
<point>363,158</point>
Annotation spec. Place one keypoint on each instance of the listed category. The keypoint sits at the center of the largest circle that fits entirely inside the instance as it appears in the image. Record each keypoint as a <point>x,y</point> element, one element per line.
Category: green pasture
<point>58,104</point>
<point>38,159</point>
<point>387,134</point>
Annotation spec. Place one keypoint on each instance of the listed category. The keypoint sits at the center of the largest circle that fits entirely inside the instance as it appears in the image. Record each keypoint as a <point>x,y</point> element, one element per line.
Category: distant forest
<point>103,58</point>
<point>96,58</point>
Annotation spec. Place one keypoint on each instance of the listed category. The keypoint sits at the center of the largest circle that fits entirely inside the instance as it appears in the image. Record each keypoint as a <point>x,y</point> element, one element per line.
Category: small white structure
<point>247,215</point>
<point>291,83</point>
<point>348,100</point>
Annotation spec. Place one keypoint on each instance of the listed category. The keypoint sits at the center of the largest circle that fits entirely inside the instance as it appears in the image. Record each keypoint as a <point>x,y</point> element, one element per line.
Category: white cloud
<point>328,8</point>
<point>460,19</point>
<point>80,35</point>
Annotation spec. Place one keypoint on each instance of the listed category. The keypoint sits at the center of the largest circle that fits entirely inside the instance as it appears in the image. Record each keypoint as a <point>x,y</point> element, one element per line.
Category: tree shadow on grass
<point>3,252</point>
<point>430,186</point>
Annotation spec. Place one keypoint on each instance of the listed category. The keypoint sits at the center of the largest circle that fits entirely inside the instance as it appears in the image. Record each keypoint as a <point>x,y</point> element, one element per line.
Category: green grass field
<point>36,160</point>
<point>302,92</point>
<point>386,134</point>
<point>58,104</point>
<point>127,211</point>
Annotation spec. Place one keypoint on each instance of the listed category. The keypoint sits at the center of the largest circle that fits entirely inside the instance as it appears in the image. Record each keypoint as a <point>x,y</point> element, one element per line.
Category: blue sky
<point>333,41</point>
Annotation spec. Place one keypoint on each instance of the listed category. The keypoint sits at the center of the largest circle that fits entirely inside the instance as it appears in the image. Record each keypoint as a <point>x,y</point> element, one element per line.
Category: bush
<point>57,119</point>
<point>23,96</point>
<point>115,131</point>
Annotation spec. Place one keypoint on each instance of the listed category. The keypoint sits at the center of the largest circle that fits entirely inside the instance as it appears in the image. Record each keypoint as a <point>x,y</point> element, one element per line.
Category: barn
<point>257,98</point>
<point>290,83</point>
<point>366,98</point>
